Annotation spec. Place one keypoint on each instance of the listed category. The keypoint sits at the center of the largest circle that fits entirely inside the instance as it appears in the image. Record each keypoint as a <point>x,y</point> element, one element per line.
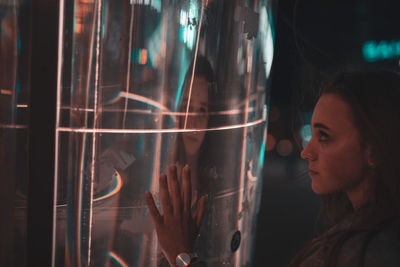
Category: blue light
<point>156,4</point>
<point>305,132</point>
<point>19,45</point>
<point>381,50</point>
<point>267,39</point>
<point>262,150</point>
<point>182,75</point>
<point>189,23</point>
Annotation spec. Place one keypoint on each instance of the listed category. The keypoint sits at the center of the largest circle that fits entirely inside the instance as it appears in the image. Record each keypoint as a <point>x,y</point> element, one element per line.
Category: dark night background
<point>314,39</point>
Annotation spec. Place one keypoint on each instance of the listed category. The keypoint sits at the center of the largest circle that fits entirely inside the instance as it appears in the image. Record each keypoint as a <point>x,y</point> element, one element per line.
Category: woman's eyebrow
<point>320,125</point>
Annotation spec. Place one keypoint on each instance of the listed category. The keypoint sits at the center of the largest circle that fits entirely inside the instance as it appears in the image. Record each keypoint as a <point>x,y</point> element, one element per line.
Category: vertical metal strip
<point>58,106</point>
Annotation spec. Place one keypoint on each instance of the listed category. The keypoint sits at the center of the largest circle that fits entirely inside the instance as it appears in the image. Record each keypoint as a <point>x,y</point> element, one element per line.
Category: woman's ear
<point>370,158</point>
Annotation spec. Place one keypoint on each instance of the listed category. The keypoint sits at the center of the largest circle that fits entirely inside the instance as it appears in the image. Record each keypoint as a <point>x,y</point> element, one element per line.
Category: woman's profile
<point>352,158</point>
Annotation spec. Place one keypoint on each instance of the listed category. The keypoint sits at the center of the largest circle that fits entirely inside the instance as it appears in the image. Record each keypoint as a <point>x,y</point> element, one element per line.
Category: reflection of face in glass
<point>198,114</point>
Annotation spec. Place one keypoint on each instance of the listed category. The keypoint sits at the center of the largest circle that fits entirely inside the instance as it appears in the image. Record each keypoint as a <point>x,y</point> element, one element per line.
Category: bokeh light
<point>270,142</point>
<point>305,133</point>
<point>284,147</point>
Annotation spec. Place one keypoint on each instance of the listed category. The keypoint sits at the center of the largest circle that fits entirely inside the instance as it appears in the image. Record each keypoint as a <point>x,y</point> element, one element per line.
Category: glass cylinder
<point>145,84</point>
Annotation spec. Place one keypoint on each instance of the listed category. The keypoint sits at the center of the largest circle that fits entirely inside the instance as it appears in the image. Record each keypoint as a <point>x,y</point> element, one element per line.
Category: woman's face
<point>198,114</point>
<point>337,161</point>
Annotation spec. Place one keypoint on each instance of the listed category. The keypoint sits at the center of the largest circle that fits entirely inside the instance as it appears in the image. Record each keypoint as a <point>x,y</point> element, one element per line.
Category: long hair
<point>373,97</point>
<point>202,69</point>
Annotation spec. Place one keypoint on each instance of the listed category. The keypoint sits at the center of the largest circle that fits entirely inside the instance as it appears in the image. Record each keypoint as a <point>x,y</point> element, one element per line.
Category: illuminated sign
<point>381,50</point>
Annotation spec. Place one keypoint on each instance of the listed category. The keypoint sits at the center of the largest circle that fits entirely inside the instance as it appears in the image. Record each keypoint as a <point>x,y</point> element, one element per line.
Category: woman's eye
<point>322,136</point>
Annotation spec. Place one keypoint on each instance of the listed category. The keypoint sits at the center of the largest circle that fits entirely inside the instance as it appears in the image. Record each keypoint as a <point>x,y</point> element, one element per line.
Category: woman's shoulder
<point>383,249</point>
<point>378,246</point>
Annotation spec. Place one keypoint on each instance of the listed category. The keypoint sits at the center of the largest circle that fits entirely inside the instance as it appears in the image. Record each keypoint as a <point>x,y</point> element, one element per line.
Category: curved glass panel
<point>145,84</point>
<point>13,131</point>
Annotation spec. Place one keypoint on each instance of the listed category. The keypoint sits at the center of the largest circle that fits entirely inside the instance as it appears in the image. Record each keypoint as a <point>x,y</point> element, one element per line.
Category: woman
<point>195,106</point>
<point>352,159</point>
<point>353,164</point>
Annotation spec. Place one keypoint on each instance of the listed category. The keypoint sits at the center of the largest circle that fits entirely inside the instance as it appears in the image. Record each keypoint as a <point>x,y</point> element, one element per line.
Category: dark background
<point>314,40</point>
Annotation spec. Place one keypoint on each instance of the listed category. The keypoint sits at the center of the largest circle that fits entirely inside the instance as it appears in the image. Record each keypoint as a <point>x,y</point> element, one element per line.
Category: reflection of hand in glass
<point>177,227</point>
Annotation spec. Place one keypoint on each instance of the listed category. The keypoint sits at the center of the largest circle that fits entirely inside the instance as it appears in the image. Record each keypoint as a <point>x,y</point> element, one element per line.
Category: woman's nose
<point>307,153</point>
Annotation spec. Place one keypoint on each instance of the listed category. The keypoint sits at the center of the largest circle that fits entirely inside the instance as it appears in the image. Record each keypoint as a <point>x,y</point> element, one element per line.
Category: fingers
<point>187,190</point>
<point>171,199</point>
<point>165,197</point>
<point>174,190</point>
<point>155,214</point>
<point>198,217</point>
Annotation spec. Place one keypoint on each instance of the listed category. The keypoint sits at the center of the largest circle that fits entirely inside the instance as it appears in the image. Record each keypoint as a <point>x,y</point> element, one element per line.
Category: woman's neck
<point>358,194</point>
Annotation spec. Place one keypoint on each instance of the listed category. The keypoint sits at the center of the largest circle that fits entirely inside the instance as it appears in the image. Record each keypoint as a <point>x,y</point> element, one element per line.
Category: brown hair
<point>374,98</point>
<point>202,69</point>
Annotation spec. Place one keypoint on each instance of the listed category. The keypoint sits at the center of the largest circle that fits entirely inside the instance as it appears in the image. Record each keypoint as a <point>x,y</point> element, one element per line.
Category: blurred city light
<point>284,147</point>
<point>380,50</point>
<point>267,39</point>
<point>156,4</point>
<point>189,22</point>
<point>305,133</point>
<point>270,142</point>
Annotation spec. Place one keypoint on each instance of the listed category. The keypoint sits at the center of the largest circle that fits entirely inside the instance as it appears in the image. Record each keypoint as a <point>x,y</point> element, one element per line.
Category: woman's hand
<point>176,228</point>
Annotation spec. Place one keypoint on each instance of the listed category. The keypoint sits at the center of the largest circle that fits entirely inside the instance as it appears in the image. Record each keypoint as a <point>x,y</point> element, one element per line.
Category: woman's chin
<point>191,146</point>
<point>320,190</point>
<point>190,151</point>
<point>317,189</point>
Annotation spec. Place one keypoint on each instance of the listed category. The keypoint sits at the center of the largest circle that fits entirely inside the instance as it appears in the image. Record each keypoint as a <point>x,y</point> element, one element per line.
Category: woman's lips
<point>312,172</point>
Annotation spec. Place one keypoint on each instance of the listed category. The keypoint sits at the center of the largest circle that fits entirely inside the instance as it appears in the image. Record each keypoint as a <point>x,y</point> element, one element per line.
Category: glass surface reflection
<point>144,85</point>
